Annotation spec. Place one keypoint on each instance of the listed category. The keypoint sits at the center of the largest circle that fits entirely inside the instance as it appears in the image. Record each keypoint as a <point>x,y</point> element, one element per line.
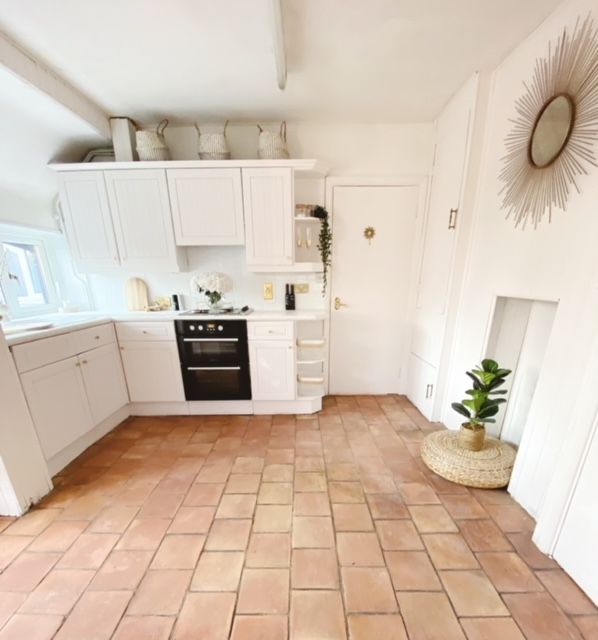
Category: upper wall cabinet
<point>207,206</point>
<point>268,200</point>
<point>119,219</point>
<point>87,220</point>
<point>142,222</point>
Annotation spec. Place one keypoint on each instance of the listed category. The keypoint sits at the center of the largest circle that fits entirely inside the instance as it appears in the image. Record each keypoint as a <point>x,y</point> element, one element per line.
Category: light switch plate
<point>302,287</point>
<point>268,291</point>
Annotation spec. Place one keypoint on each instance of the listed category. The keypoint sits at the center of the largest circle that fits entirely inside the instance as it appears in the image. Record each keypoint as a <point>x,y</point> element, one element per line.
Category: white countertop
<point>65,322</point>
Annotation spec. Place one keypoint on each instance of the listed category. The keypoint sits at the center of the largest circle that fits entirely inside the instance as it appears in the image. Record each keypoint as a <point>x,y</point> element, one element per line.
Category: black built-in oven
<point>214,359</point>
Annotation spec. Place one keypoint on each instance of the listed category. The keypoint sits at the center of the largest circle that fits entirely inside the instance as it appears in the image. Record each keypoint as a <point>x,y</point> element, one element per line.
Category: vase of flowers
<point>213,285</point>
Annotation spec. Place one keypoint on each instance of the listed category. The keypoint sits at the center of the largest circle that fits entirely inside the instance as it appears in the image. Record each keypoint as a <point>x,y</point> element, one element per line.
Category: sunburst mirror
<point>551,142</point>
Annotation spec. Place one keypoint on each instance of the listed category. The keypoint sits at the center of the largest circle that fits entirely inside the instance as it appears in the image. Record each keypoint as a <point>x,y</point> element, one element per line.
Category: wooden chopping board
<point>136,294</point>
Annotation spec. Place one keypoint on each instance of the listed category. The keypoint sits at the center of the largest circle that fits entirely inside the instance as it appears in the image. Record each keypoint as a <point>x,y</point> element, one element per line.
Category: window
<point>25,281</point>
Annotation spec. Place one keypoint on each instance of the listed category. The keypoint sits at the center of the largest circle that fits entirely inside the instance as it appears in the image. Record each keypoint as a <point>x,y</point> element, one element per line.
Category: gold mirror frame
<point>570,69</point>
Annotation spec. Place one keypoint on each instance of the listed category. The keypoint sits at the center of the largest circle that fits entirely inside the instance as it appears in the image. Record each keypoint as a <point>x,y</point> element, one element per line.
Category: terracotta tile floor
<point>274,528</point>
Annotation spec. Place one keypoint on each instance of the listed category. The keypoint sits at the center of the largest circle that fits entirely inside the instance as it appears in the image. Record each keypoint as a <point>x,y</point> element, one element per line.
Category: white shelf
<point>304,343</point>
<point>310,379</point>
<point>310,362</point>
<point>297,267</point>
<point>305,167</point>
<point>306,219</point>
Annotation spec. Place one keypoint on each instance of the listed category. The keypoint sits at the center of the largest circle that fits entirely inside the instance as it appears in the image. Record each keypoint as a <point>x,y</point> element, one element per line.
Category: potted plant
<point>482,404</point>
<point>324,243</point>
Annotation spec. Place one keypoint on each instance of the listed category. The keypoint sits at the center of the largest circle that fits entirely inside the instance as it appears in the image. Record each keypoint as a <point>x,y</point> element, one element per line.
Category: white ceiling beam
<point>26,68</point>
<point>280,58</point>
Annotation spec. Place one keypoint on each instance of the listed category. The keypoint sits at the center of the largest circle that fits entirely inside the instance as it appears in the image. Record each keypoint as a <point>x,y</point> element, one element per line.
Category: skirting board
<point>62,458</point>
<point>225,407</point>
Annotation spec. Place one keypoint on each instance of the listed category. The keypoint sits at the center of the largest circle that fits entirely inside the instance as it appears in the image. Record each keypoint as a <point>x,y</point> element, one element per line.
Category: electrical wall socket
<point>268,291</point>
<point>302,287</point>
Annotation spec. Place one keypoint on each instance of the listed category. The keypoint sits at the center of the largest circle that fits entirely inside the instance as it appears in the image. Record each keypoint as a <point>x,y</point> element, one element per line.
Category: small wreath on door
<point>369,233</point>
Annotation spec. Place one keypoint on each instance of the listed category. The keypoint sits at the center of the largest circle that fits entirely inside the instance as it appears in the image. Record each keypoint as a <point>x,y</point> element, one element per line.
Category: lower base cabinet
<point>272,364</point>
<point>104,381</point>
<point>58,404</point>
<point>152,370</point>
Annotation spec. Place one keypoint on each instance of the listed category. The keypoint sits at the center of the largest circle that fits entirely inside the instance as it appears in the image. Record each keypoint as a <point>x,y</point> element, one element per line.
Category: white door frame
<point>422,182</point>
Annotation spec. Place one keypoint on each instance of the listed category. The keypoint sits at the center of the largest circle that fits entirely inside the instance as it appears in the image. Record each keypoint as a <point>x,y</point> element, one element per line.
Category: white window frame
<point>16,310</point>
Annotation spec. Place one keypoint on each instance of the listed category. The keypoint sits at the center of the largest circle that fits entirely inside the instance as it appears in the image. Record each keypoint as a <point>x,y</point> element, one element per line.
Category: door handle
<point>338,303</point>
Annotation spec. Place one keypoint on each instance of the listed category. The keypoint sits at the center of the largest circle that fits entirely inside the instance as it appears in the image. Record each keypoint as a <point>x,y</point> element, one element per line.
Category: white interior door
<point>372,279</point>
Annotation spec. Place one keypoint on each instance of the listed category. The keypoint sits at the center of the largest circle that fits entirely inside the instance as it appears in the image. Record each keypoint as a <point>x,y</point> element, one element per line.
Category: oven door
<point>206,352</point>
<point>217,382</point>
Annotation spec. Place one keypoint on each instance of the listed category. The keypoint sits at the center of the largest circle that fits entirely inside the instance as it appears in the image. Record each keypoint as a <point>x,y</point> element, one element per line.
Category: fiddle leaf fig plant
<point>482,404</point>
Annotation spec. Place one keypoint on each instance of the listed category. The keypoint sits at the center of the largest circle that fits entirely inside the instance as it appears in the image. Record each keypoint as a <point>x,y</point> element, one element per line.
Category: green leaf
<point>489,365</point>
<point>491,420</point>
<point>500,391</point>
<point>502,373</point>
<point>476,383</point>
<point>488,412</point>
<point>459,408</point>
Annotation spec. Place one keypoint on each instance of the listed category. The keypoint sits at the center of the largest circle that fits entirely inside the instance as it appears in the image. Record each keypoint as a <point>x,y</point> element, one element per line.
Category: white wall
<point>556,262</point>
<point>349,150</point>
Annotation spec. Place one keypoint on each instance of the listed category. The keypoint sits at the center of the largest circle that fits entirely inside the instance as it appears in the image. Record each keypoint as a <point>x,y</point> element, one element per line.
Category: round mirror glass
<point>551,131</point>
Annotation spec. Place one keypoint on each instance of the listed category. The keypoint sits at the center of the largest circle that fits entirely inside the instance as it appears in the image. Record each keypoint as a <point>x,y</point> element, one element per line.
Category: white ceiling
<point>349,60</point>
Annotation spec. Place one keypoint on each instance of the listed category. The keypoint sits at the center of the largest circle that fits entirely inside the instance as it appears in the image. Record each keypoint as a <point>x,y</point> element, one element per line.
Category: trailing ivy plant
<point>324,244</point>
<point>482,406</point>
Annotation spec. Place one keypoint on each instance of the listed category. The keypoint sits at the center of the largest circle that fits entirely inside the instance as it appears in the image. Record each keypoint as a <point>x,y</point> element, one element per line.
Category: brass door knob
<point>338,303</point>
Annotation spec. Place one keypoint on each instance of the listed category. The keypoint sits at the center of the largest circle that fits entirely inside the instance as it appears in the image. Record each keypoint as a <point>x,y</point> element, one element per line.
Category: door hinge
<point>453,218</point>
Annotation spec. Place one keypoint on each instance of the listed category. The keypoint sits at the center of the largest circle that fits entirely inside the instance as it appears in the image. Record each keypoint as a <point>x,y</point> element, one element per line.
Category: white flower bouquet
<point>212,284</point>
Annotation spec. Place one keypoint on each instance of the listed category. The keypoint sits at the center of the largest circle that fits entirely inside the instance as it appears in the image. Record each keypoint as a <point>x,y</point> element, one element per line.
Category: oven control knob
<point>191,327</point>
<point>200,327</point>
<point>220,327</point>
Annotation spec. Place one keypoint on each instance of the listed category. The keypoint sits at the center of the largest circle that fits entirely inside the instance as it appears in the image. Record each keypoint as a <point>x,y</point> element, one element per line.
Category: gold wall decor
<point>369,233</point>
<point>551,142</point>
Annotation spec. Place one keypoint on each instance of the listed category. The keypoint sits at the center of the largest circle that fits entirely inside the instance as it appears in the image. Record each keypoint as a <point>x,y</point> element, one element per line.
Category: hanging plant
<point>324,244</point>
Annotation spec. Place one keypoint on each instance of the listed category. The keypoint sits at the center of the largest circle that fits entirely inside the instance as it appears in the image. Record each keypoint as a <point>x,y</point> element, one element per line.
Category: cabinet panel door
<point>207,206</point>
<point>104,381</point>
<point>58,404</point>
<point>87,220</point>
<point>421,384</point>
<point>142,221</point>
<point>272,366</point>
<point>269,205</point>
<point>153,371</point>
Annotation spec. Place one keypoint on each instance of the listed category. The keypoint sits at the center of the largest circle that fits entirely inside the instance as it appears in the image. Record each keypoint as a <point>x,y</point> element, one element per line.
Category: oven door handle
<point>210,339</point>
<point>213,368</point>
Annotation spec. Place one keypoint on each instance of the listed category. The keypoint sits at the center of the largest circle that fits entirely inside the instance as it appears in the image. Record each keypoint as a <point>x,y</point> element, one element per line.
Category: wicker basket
<point>472,439</point>
<point>213,146</point>
<point>488,468</point>
<point>151,144</point>
<point>271,145</point>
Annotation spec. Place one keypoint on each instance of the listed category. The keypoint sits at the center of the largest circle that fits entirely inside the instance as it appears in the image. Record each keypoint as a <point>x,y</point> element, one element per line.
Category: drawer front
<point>145,331</point>
<point>38,353</point>
<point>87,339</point>
<point>271,330</point>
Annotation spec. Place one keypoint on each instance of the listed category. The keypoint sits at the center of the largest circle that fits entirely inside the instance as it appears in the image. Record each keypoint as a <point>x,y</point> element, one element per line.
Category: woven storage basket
<point>272,145</point>
<point>472,439</point>
<point>151,145</point>
<point>213,146</point>
<point>488,468</point>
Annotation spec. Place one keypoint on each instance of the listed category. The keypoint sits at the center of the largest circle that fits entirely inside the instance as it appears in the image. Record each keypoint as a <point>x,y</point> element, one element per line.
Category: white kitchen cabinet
<point>268,201</point>
<point>142,220</point>
<point>207,206</point>
<point>153,371</point>
<point>272,365</point>
<point>421,384</point>
<point>58,404</point>
<point>104,381</point>
<point>88,221</point>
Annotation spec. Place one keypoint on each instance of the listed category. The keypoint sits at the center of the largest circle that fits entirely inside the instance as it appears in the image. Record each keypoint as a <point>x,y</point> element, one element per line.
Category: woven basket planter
<point>151,144</point>
<point>272,145</point>
<point>488,468</point>
<point>212,146</point>
<point>472,439</point>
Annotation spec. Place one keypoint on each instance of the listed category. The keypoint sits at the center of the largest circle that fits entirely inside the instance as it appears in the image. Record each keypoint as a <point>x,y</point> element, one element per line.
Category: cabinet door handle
<point>77,364</point>
<point>453,218</point>
<point>96,337</point>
